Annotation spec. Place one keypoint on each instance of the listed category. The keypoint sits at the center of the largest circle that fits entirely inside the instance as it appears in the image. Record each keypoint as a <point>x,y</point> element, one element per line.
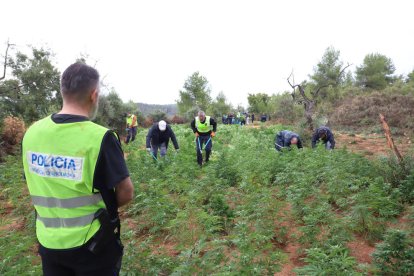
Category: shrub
<point>395,256</point>
<point>12,134</point>
<point>177,120</point>
<point>332,260</point>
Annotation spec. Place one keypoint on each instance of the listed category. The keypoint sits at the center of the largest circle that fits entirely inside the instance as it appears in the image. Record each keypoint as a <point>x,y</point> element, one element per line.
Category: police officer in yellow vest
<point>77,179</point>
<point>131,124</point>
<point>204,128</point>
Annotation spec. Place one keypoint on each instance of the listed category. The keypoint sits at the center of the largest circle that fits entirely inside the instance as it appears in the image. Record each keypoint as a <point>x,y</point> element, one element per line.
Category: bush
<point>332,260</point>
<point>177,120</point>
<point>362,111</point>
<point>395,256</point>
<point>12,134</point>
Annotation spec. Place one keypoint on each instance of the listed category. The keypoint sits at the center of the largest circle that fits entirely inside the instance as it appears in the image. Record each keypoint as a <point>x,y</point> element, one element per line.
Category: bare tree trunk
<point>309,111</point>
<point>5,61</point>
<point>390,141</point>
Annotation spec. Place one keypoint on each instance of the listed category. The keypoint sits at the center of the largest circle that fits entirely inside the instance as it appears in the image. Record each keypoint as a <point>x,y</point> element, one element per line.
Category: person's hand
<point>127,129</point>
<point>196,134</point>
<point>213,134</point>
<point>148,150</point>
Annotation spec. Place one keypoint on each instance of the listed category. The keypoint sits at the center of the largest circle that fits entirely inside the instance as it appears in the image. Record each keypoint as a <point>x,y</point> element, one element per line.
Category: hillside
<point>169,109</point>
<point>360,112</point>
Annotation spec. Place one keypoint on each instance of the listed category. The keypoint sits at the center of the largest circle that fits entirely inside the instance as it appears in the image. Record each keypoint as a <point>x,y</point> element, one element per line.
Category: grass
<point>230,217</point>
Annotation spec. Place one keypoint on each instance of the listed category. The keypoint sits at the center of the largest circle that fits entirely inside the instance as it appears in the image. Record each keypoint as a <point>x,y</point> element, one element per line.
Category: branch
<point>390,141</point>
<point>315,94</point>
<point>301,90</point>
<point>5,60</point>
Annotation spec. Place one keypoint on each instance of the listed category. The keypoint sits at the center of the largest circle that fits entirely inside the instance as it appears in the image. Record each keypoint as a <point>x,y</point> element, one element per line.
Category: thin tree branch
<point>5,60</point>
<point>301,90</point>
<point>315,94</point>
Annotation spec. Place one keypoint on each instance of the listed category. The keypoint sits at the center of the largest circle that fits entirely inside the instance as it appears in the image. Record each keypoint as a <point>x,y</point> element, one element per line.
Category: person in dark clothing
<point>325,134</point>
<point>243,119</point>
<point>204,128</point>
<point>252,118</point>
<point>286,138</point>
<point>230,119</point>
<point>158,137</point>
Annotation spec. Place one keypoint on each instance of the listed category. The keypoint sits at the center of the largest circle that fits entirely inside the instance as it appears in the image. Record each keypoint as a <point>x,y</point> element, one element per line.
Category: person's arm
<point>124,191</point>
<point>111,176</point>
<point>299,144</point>
<point>214,124</point>
<point>149,135</point>
<point>173,138</point>
<point>315,138</point>
<point>193,126</point>
<point>332,140</point>
<point>279,142</point>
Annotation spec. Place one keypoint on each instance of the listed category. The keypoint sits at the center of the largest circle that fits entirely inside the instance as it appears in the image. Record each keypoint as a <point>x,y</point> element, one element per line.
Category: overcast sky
<point>147,49</point>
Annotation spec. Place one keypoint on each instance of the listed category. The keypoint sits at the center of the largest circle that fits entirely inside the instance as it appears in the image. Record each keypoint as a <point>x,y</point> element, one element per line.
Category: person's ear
<point>95,95</point>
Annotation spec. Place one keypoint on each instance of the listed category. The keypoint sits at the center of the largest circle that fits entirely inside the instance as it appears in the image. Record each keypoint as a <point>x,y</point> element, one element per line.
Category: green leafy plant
<point>395,256</point>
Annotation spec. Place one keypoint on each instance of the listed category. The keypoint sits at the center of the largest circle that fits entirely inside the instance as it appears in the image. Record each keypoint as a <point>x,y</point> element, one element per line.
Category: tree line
<point>29,89</point>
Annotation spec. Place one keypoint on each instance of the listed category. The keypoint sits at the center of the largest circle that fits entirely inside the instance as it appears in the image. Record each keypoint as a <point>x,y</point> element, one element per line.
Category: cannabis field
<point>249,211</point>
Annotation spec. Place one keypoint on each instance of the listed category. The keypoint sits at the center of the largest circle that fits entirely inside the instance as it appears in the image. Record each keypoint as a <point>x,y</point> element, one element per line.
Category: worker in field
<point>158,137</point>
<point>204,128</point>
<point>324,134</point>
<point>77,178</point>
<point>242,119</point>
<point>285,138</point>
<point>131,127</point>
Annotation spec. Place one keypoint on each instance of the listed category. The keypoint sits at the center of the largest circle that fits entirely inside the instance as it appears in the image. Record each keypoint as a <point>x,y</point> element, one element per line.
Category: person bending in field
<point>286,138</point>
<point>326,136</point>
<point>158,137</point>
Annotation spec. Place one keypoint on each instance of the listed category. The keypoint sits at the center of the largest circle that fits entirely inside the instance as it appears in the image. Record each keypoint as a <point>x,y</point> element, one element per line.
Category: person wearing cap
<point>131,127</point>
<point>204,128</point>
<point>325,134</point>
<point>286,138</point>
<point>159,136</point>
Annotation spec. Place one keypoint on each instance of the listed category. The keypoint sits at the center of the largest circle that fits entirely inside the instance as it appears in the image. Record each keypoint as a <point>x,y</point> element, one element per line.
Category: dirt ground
<point>371,144</point>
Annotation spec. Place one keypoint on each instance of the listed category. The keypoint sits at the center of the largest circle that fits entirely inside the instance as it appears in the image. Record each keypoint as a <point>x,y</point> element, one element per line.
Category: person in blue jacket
<point>325,134</point>
<point>286,138</point>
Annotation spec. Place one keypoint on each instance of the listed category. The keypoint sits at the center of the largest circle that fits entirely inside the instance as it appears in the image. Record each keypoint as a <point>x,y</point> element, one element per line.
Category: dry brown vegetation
<point>362,111</point>
<point>11,135</point>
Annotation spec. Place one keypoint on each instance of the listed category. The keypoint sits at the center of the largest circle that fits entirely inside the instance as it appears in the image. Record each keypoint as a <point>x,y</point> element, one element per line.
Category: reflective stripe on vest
<point>66,202</point>
<point>66,222</point>
<point>203,127</point>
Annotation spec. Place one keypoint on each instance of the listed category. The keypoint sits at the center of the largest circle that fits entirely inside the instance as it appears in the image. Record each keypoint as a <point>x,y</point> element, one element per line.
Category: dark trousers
<point>162,147</point>
<point>132,132</point>
<point>201,142</point>
<point>80,261</point>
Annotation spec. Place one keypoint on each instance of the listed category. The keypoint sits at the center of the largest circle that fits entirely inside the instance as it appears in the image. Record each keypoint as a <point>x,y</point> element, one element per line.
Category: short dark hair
<point>79,79</point>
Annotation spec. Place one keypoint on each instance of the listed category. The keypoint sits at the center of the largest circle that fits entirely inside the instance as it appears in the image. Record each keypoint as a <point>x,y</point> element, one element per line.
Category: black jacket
<point>329,137</point>
<point>155,136</point>
<point>282,140</point>
<point>212,123</point>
